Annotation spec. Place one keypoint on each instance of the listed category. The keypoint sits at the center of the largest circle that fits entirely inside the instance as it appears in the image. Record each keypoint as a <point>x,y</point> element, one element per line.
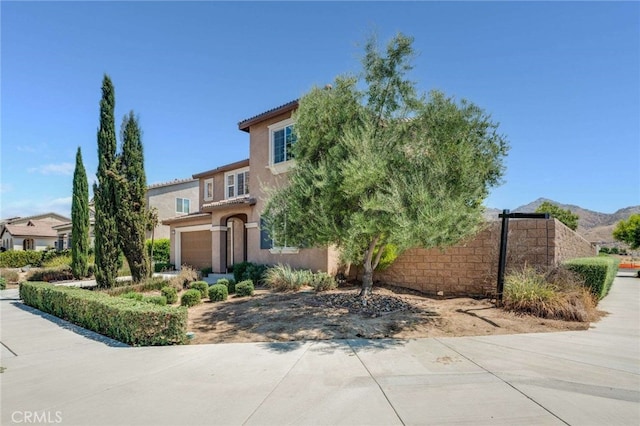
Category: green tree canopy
<point>628,231</point>
<point>80,220</point>
<point>565,216</point>
<point>378,164</point>
<point>131,211</point>
<point>106,233</point>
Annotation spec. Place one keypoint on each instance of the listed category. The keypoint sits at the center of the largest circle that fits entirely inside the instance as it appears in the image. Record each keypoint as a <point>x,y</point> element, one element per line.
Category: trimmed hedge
<point>20,258</point>
<point>201,286</point>
<point>244,288</point>
<point>231,284</point>
<point>129,321</point>
<point>218,293</point>
<point>597,272</point>
<point>170,293</point>
<point>190,298</point>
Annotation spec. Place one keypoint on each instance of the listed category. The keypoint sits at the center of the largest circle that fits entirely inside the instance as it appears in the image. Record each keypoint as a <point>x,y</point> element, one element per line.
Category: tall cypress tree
<point>106,233</point>
<point>80,220</point>
<point>131,189</point>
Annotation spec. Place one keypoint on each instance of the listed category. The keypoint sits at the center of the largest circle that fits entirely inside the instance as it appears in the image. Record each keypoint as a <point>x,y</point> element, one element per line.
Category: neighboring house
<point>225,228</point>
<point>31,233</point>
<point>171,199</point>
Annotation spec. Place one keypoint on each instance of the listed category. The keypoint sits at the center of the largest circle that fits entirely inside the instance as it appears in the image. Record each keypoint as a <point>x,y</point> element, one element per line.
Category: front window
<point>182,205</point>
<point>283,141</point>
<point>237,183</point>
<point>208,189</point>
<point>282,137</point>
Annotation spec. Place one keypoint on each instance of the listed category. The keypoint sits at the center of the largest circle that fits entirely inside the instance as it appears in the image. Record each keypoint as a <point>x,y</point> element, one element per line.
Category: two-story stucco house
<point>225,229</point>
<point>171,199</point>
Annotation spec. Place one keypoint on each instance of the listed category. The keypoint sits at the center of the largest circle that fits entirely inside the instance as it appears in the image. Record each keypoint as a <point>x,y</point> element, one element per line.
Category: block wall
<point>470,268</point>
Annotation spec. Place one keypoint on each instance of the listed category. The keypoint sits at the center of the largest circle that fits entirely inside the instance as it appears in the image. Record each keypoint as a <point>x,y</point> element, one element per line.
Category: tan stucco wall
<point>163,198</point>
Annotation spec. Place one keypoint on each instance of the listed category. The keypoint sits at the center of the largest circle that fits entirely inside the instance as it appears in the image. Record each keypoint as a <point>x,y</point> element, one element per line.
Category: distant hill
<point>594,226</point>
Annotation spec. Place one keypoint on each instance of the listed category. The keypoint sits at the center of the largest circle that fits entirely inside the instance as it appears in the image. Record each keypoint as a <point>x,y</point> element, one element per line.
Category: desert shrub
<point>186,275</point>
<point>218,292</point>
<point>249,271</point>
<point>59,273</point>
<point>128,321</point>
<point>155,299</point>
<point>132,295</point>
<point>284,278</point>
<point>556,295</point>
<point>201,286</point>
<point>55,261</point>
<point>598,273</point>
<point>150,284</point>
<point>20,258</point>
<point>170,293</point>
<point>245,288</point>
<point>3,283</point>
<point>161,249</point>
<point>190,297</point>
<point>231,284</point>
<point>163,267</point>
<point>321,281</point>
<point>10,275</point>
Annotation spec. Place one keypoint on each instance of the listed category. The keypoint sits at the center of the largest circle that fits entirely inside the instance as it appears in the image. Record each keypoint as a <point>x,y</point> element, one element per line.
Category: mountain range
<point>593,226</point>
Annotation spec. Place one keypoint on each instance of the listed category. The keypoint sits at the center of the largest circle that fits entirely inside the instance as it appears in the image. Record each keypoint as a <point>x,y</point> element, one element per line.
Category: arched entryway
<point>28,244</point>
<point>236,241</point>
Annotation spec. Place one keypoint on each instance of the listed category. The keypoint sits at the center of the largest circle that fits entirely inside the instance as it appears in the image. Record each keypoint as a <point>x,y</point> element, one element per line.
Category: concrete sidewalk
<point>58,373</point>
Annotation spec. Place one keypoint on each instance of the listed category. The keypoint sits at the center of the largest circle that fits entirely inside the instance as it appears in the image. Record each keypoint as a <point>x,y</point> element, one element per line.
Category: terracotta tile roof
<point>183,218</point>
<point>173,182</point>
<point>39,229</point>
<point>224,203</point>
<point>245,124</point>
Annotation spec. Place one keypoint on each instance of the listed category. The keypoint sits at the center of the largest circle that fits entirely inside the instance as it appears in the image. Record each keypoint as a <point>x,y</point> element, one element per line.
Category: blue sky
<point>562,79</point>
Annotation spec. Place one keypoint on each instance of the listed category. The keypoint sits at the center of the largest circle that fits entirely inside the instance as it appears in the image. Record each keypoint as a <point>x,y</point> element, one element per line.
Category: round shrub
<point>3,283</point>
<point>201,286</point>
<point>245,288</point>
<point>190,297</point>
<point>170,293</point>
<point>218,292</point>
<point>231,284</point>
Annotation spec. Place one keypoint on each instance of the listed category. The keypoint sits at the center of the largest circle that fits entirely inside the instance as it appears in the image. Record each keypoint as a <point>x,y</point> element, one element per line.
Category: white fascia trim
<point>250,225</point>
<point>215,228</point>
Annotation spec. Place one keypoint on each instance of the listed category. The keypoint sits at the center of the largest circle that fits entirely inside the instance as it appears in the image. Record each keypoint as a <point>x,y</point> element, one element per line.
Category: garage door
<point>195,249</point>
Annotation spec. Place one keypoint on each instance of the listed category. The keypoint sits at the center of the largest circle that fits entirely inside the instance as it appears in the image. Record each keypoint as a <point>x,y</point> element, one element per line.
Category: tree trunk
<point>367,277</point>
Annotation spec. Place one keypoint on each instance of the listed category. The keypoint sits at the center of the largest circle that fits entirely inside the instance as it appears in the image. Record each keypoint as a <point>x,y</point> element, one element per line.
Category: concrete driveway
<point>56,373</point>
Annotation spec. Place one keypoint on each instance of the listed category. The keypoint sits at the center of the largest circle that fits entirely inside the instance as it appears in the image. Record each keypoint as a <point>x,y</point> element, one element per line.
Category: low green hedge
<point>129,321</point>
<point>20,258</point>
<point>597,272</point>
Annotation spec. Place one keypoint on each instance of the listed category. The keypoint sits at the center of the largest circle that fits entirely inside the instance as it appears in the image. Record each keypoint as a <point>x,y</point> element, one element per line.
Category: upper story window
<point>182,205</point>
<point>281,140</point>
<point>236,183</point>
<point>208,189</point>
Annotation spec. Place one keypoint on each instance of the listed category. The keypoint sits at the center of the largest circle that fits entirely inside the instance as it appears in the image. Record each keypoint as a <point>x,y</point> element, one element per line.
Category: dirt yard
<point>339,314</point>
